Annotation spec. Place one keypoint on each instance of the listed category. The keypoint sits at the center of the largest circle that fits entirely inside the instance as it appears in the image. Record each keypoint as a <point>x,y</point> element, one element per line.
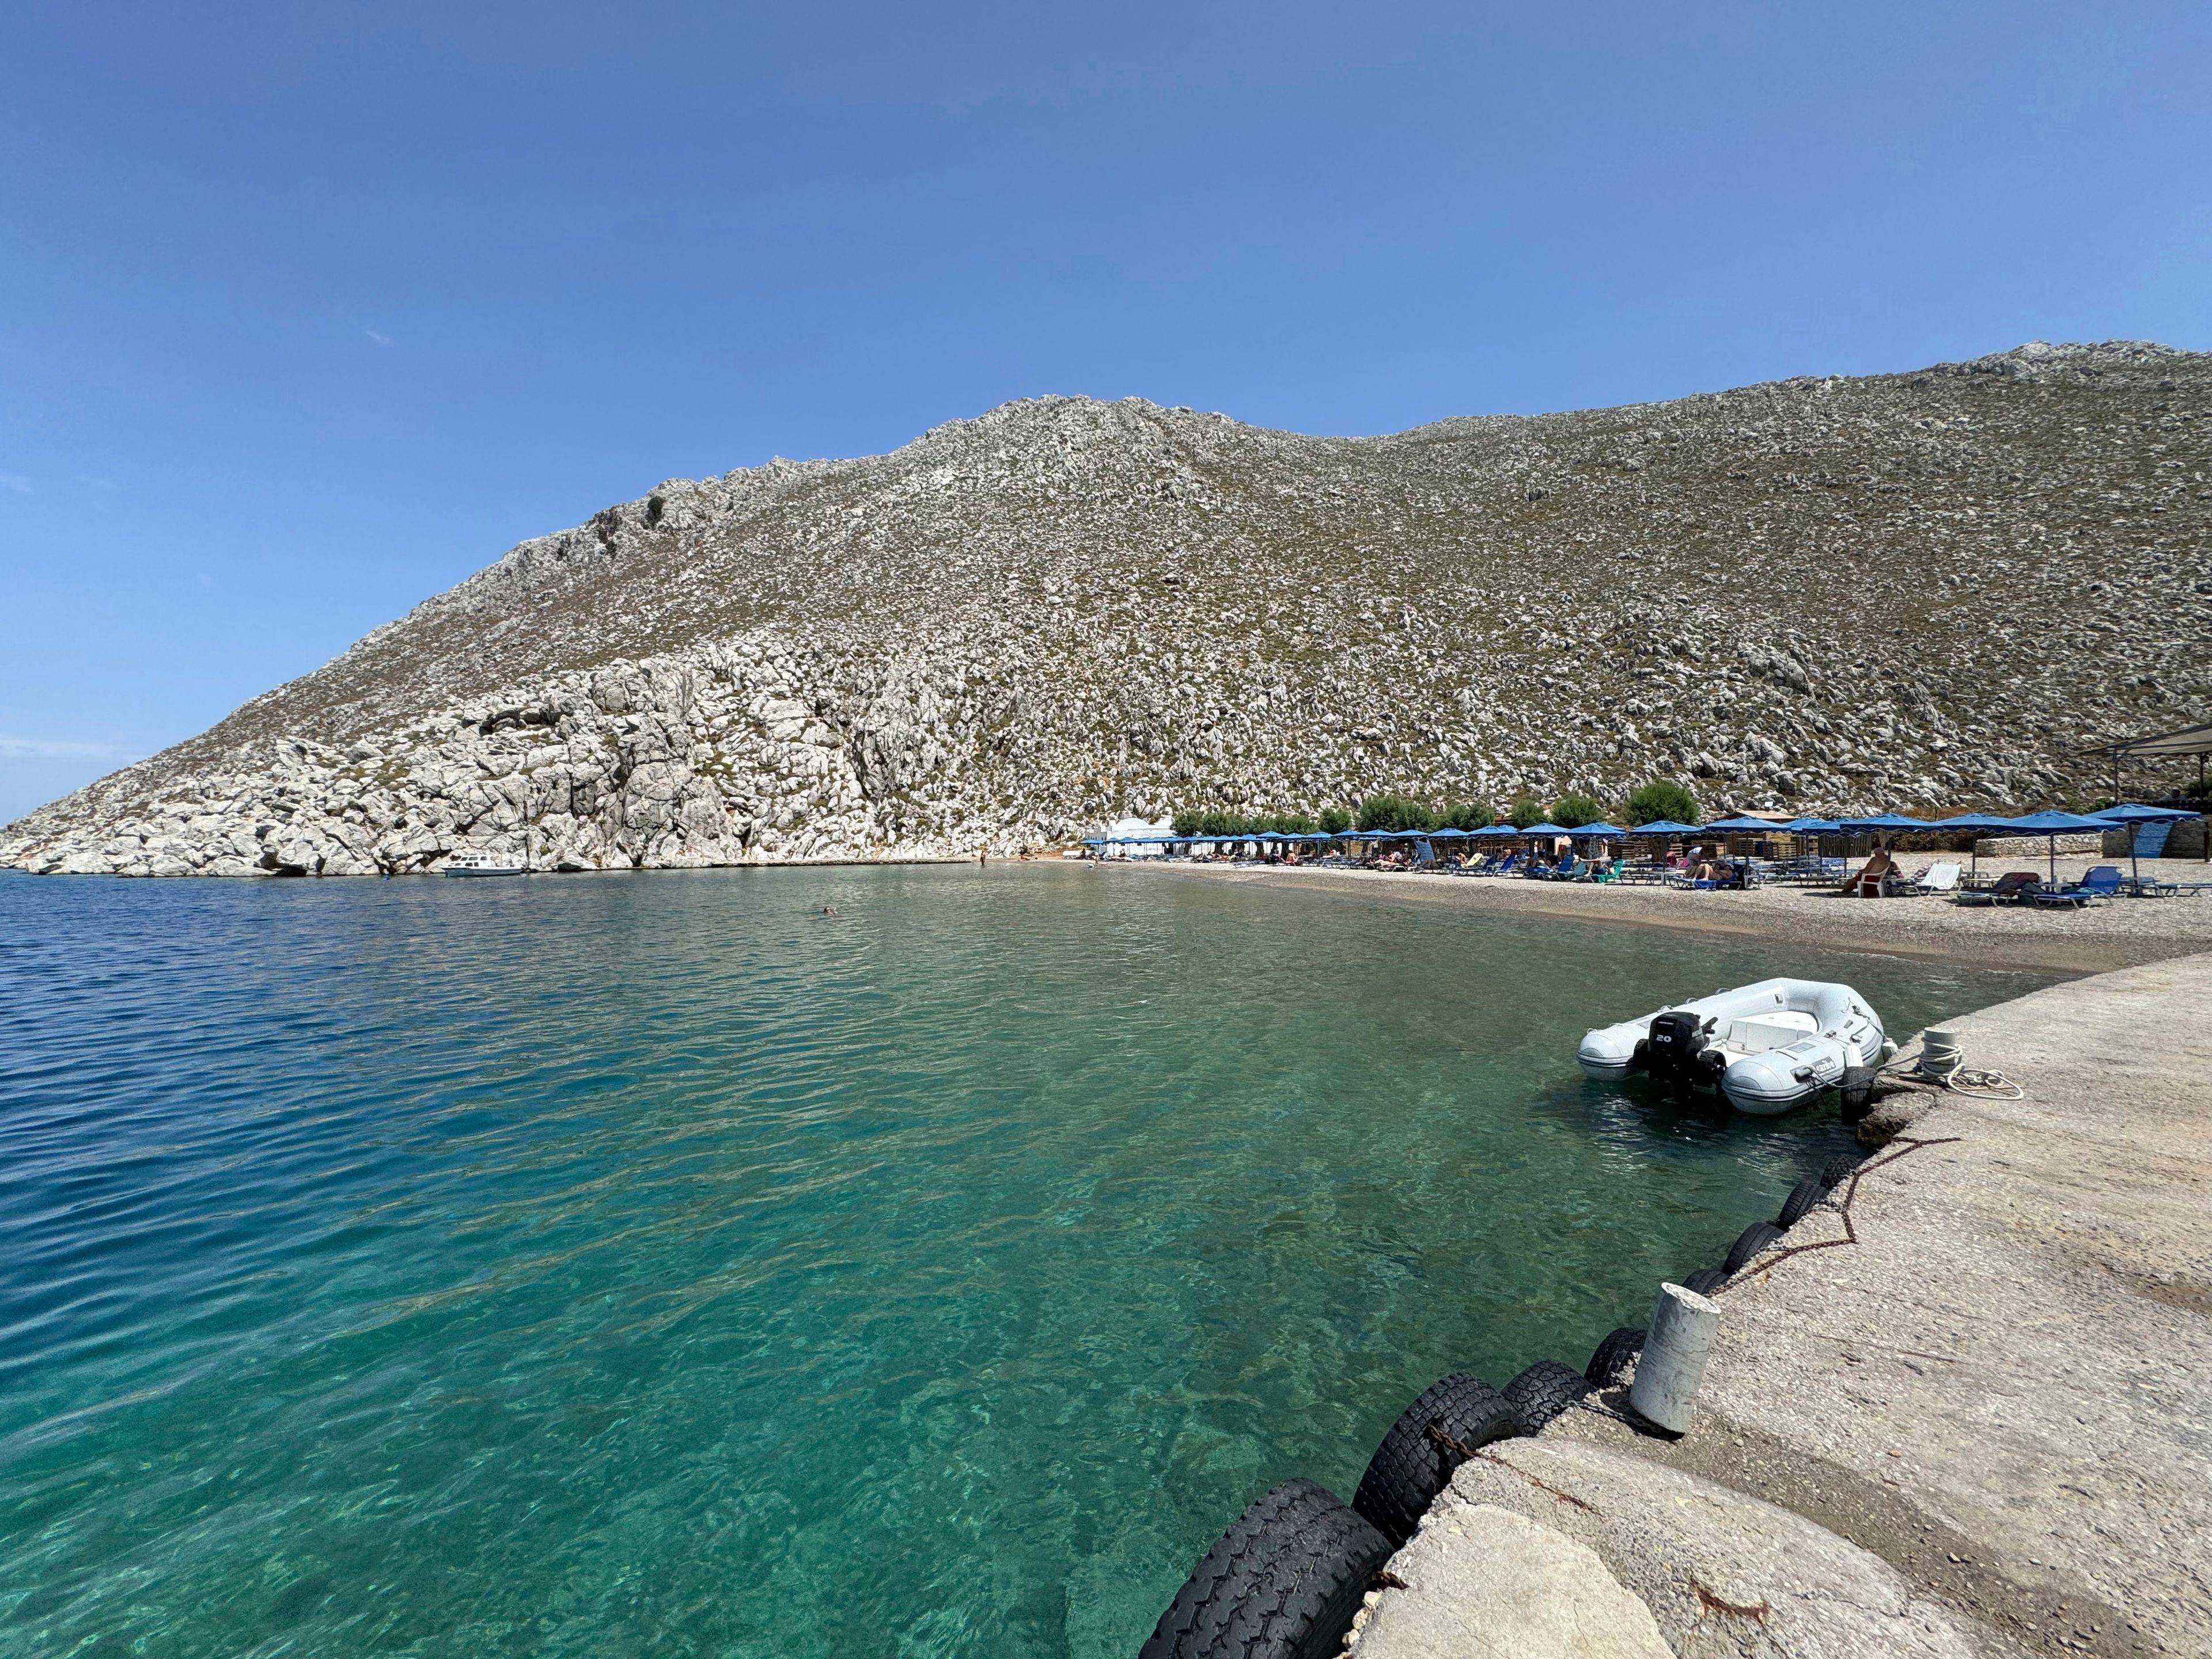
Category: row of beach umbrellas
<point>2050,824</point>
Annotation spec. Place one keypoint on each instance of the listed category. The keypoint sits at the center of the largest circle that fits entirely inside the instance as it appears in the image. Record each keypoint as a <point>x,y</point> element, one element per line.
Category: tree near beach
<point>1525,810</point>
<point>1389,812</point>
<point>1662,798</point>
<point>1572,810</point>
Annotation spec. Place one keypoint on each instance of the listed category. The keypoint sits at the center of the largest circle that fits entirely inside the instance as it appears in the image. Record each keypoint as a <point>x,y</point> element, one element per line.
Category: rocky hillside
<point>1911,590</point>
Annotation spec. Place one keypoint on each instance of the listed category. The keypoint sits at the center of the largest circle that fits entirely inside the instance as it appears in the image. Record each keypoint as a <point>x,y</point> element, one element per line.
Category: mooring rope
<point>1941,1064</point>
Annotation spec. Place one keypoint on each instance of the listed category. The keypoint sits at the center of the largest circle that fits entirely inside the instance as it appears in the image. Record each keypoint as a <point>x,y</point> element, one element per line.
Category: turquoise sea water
<point>652,1264</point>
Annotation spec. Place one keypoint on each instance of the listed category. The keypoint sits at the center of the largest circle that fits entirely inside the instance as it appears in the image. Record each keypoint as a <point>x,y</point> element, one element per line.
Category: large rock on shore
<point>1907,590</point>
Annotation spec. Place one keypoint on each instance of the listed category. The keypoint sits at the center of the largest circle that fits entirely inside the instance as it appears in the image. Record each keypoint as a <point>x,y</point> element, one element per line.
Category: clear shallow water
<point>652,1264</point>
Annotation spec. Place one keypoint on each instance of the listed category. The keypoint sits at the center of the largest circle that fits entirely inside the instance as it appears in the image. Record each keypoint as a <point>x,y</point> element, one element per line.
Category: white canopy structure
<point>1132,832</point>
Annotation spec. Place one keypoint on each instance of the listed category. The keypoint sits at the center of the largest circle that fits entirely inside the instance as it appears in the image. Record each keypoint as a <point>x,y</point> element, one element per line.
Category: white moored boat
<point>1766,1046</point>
<point>485,864</point>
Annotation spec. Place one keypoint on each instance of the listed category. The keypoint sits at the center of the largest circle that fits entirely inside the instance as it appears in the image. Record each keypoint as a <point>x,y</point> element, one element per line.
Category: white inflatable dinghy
<point>1766,1046</point>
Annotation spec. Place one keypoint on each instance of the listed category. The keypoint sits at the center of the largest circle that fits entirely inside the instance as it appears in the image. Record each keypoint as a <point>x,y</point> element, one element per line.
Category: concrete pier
<point>1984,1428</point>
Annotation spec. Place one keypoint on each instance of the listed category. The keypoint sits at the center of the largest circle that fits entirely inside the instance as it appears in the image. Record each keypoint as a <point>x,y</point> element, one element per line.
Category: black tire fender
<point>1543,1391</point>
<point>1802,1198</point>
<point>1705,1281</point>
<point>1455,1417</point>
<point>1750,1243</point>
<point>1283,1582</point>
<point>1857,1090</point>
<point>1838,1170</point>
<point>1613,1356</point>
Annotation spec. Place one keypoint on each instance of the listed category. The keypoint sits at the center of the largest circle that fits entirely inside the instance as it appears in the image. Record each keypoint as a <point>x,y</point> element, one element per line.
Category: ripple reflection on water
<point>654,1263</point>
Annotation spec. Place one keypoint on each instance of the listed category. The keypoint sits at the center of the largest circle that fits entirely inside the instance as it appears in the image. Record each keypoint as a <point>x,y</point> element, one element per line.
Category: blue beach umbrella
<point>1885,821</point>
<point>2053,824</point>
<point>1810,826</point>
<point>1545,830</point>
<point>1743,825</point>
<point>1666,827</point>
<point>1975,821</point>
<point>2131,816</point>
<point>1612,831</point>
<point>2132,813</point>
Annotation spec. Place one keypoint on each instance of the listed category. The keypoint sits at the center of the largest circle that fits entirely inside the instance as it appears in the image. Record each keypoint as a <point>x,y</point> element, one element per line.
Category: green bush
<point>1525,810</point>
<point>1334,820</point>
<point>1662,798</point>
<point>1291,823</point>
<point>1186,822</point>
<point>1466,816</point>
<point>1572,812</point>
<point>1395,812</point>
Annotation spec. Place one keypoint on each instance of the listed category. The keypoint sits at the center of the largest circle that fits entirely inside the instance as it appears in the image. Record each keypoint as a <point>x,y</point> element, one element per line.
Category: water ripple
<point>640,1264</point>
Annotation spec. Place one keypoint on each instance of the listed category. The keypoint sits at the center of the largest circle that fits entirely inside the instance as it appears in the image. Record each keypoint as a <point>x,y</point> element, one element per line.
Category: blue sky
<point>308,312</point>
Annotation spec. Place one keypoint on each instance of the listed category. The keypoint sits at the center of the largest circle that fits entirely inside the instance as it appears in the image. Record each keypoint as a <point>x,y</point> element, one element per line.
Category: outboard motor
<point>1677,1038</point>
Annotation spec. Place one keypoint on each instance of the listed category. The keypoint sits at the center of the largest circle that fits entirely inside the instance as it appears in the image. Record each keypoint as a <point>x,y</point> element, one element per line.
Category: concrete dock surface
<point>1983,1428</point>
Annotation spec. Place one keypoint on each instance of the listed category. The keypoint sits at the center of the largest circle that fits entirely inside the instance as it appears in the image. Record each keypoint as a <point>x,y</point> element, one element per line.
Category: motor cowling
<point>1673,1048</point>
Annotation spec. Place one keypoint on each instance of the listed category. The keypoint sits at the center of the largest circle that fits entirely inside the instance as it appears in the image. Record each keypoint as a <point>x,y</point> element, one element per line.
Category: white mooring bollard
<point>1674,1359</point>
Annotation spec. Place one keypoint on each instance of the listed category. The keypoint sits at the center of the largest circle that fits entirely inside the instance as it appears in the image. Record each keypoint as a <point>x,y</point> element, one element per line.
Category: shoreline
<point>2122,933</point>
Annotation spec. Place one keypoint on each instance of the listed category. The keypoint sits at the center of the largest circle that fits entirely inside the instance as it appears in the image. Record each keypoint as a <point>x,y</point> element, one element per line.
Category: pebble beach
<point>2113,933</point>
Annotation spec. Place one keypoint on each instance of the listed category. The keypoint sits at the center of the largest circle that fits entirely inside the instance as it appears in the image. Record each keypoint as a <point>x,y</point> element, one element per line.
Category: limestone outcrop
<point>1907,590</point>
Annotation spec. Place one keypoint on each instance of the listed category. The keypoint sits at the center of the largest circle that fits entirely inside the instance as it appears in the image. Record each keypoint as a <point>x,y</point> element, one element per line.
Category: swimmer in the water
<point>828,909</point>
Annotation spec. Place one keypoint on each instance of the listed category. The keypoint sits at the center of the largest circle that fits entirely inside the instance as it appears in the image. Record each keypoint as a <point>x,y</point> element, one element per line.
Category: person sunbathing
<point>1868,880</point>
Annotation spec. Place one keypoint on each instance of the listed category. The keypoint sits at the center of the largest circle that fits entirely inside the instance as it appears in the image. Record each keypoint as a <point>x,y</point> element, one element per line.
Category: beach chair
<point>1871,880</point>
<point>2014,887</point>
<point>2103,881</point>
<point>1938,878</point>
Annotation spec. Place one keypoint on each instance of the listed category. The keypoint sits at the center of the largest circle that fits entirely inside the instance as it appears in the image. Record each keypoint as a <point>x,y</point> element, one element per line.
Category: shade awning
<point>1666,827</point>
<point>1744,825</point>
<point>2160,745</point>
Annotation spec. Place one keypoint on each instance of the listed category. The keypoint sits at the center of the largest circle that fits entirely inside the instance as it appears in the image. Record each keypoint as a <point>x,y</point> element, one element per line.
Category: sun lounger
<point>1938,878</point>
<point>2060,898</point>
<point>2011,888</point>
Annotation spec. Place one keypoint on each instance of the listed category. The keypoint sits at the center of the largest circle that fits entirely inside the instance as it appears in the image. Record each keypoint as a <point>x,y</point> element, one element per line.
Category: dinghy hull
<point>1766,1048</point>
